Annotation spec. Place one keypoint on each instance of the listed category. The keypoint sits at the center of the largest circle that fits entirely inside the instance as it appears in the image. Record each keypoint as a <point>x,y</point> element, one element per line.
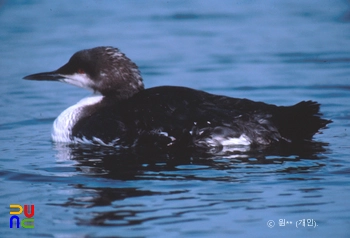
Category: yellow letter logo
<point>19,207</point>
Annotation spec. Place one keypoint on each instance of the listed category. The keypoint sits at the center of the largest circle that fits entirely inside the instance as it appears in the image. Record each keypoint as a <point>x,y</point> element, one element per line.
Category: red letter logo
<point>26,213</point>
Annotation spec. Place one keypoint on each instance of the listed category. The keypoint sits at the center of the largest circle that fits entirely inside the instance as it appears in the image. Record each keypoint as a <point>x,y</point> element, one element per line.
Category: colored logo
<point>16,209</point>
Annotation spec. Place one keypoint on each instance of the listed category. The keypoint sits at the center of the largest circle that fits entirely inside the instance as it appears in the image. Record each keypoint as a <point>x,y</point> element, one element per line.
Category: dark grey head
<point>102,69</point>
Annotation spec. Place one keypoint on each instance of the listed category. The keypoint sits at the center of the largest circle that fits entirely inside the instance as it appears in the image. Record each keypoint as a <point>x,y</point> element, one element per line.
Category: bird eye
<point>80,71</point>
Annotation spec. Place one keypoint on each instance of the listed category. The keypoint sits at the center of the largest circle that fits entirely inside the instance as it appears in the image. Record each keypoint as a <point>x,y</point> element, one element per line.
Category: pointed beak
<point>65,74</point>
<point>49,76</point>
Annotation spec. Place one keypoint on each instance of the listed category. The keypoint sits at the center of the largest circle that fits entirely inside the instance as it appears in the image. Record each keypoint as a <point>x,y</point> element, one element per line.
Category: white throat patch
<point>64,123</point>
<point>80,80</point>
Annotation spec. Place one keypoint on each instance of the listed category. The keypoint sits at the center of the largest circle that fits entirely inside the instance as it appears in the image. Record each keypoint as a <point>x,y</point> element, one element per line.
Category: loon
<point>123,114</point>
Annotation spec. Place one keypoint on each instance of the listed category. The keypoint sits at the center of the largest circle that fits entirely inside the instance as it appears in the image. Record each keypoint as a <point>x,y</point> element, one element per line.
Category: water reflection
<point>105,204</point>
<point>115,214</point>
<point>108,162</point>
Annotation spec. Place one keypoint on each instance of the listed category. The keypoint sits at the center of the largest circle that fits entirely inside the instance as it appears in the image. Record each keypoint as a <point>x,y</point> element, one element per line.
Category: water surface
<point>279,52</point>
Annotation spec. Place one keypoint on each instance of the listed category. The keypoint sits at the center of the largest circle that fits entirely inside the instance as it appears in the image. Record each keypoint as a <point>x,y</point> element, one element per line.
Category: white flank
<point>242,140</point>
<point>63,125</point>
<point>240,144</point>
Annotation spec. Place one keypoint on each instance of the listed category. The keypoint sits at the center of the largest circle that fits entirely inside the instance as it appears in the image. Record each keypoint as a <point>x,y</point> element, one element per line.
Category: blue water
<point>279,52</point>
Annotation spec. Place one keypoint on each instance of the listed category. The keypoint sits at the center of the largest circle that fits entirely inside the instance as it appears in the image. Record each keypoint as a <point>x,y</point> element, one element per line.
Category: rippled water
<point>280,52</point>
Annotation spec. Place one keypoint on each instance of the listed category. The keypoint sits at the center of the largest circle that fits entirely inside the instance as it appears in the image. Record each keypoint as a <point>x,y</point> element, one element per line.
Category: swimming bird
<point>123,114</point>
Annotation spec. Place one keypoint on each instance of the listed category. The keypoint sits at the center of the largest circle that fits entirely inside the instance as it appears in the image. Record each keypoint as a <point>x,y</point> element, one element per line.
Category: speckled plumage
<point>127,115</point>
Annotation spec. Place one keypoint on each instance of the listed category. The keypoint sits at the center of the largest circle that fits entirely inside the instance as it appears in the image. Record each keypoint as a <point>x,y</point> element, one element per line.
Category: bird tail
<point>300,121</point>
